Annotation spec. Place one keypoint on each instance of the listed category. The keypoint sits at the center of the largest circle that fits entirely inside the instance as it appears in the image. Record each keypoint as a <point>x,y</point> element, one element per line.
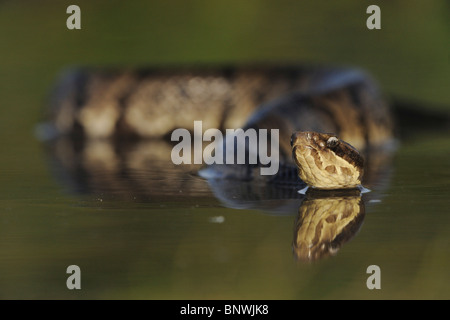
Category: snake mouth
<point>326,162</point>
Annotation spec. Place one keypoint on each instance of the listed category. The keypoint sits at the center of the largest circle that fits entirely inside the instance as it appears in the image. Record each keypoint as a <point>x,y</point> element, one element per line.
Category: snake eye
<point>332,142</point>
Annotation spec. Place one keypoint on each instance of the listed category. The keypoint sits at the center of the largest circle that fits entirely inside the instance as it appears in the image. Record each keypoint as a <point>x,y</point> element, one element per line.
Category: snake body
<point>148,104</point>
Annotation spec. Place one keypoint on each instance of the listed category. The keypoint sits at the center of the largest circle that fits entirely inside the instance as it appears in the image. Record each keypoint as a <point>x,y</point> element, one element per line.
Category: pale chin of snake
<point>326,162</point>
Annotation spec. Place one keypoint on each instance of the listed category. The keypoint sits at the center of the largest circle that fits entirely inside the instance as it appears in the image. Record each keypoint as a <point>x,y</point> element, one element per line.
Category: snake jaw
<point>326,162</point>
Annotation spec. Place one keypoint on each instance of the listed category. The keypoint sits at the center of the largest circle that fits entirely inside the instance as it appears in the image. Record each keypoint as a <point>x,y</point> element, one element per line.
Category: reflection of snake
<point>148,104</point>
<point>325,222</point>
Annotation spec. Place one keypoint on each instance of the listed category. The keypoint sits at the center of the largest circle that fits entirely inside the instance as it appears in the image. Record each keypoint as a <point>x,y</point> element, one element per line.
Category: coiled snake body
<point>149,104</point>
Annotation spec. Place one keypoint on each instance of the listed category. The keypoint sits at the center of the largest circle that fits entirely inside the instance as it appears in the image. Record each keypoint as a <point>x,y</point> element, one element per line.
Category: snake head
<point>326,162</point>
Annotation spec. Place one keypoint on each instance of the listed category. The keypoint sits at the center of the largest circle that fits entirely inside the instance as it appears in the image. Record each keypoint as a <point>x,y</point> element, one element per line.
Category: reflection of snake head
<point>324,224</point>
<point>325,162</point>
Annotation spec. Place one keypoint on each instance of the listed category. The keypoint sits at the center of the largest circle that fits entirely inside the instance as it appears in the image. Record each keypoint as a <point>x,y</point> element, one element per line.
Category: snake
<point>329,118</point>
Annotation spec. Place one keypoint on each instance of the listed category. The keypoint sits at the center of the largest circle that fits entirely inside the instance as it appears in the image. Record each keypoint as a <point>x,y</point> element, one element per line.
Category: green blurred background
<point>409,56</point>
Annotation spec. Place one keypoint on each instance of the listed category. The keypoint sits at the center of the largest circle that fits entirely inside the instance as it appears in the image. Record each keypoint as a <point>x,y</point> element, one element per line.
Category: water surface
<point>132,245</point>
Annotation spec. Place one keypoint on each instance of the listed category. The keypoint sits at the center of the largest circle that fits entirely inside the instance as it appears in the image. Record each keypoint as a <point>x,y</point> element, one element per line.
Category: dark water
<point>179,241</point>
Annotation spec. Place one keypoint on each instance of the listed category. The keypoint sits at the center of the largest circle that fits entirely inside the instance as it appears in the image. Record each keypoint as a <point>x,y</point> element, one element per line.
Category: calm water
<point>156,234</point>
<point>133,242</point>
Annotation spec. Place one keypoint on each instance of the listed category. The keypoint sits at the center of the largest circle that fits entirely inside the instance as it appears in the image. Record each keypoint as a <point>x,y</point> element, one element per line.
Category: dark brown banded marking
<point>346,171</point>
<point>331,169</point>
<point>316,157</point>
